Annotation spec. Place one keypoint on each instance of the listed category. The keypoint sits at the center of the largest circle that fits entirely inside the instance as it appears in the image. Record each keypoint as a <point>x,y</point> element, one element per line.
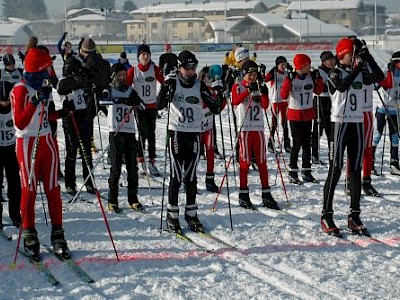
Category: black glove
<point>264,89</point>
<point>289,67</point>
<point>41,95</point>
<point>292,75</point>
<point>53,58</point>
<point>253,87</point>
<point>105,94</point>
<point>68,106</point>
<point>315,74</point>
<point>256,99</point>
<point>206,69</point>
<point>364,52</point>
<point>21,56</point>
<point>65,34</point>
<point>227,54</point>
<point>263,68</point>
<point>391,66</point>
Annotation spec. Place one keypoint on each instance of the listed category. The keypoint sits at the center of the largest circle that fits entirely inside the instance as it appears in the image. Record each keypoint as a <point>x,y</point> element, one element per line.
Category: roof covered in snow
<point>203,6</point>
<point>310,26</point>
<point>10,29</point>
<point>324,5</point>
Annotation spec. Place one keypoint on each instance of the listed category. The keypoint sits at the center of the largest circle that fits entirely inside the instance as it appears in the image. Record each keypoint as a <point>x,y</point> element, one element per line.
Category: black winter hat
<point>187,59</point>
<point>249,66</point>
<point>5,90</point>
<point>118,67</point>
<point>280,59</point>
<point>395,57</point>
<point>8,59</point>
<point>325,55</point>
<point>123,54</point>
<point>143,48</point>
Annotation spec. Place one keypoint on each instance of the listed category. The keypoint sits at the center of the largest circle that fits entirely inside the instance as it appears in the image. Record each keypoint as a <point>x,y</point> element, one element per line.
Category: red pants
<point>252,142</point>
<point>207,139</point>
<point>367,160</point>
<point>45,169</point>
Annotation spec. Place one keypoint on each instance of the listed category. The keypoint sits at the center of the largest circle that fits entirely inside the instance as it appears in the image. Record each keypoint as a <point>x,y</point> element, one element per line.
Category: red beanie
<point>37,60</point>
<point>343,47</point>
<point>301,60</point>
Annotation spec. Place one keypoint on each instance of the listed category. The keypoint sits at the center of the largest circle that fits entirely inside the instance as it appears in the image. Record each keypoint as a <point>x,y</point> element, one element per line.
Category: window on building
<point>132,27</point>
<point>190,24</point>
<point>344,16</point>
<point>154,25</point>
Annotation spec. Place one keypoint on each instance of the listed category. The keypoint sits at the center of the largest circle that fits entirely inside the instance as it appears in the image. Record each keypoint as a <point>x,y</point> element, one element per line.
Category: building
<point>272,28</point>
<point>99,23</point>
<point>185,21</point>
<point>353,14</point>
<point>14,33</point>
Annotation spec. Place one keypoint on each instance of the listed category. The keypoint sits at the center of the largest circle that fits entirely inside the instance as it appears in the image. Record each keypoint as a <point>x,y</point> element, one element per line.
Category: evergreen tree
<point>100,3</point>
<point>27,9</point>
<point>129,5</point>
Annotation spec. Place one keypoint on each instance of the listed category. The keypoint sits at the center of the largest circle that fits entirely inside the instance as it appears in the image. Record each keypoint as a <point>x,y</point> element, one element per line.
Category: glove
<point>65,34</point>
<point>105,94</point>
<point>217,85</point>
<point>292,75</point>
<point>21,56</point>
<point>68,106</point>
<point>253,87</point>
<point>263,68</point>
<point>256,99</point>
<point>53,58</point>
<point>315,74</point>
<point>206,69</point>
<point>289,67</point>
<point>42,95</point>
<point>264,89</point>
<point>391,66</point>
<point>364,52</point>
<point>227,54</point>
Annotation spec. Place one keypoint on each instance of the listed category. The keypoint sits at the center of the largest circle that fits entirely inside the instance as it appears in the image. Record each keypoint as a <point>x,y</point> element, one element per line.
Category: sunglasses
<point>190,66</point>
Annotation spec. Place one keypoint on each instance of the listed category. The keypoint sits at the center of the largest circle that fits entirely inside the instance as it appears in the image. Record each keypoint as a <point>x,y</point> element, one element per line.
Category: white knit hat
<point>241,53</point>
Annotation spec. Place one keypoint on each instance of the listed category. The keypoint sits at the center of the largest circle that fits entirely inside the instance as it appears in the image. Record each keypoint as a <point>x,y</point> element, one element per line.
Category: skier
<point>76,85</point>
<point>9,163</point>
<point>35,148</point>
<point>168,61</point>
<point>187,96</point>
<point>390,93</point>
<point>121,97</point>
<point>274,80</point>
<point>207,137</point>
<point>10,73</point>
<point>67,49</point>
<point>322,107</point>
<point>144,78</point>
<point>347,93</point>
<point>124,60</point>
<point>250,98</point>
<point>298,87</point>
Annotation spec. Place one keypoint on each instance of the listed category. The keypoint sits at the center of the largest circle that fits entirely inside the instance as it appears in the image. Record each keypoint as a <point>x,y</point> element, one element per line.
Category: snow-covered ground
<point>277,255</point>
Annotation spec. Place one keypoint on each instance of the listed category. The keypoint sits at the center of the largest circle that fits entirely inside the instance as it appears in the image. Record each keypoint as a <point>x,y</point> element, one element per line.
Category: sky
<point>56,7</point>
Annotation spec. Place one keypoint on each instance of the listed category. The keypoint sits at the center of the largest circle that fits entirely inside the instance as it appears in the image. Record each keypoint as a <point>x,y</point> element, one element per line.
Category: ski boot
<point>70,190</point>
<point>141,169</point>
<point>173,224</point>
<point>244,199</point>
<point>356,226</point>
<point>112,207</point>
<point>58,242</point>
<point>194,223</point>
<point>90,188</point>
<point>329,226</point>
<point>153,169</point>
<point>137,206</point>
<point>368,188</point>
<point>210,183</point>
<point>287,146</point>
<point>31,243</point>
<point>268,200</point>
<point>293,178</point>
<point>270,146</point>
<point>394,168</point>
<point>307,177</point>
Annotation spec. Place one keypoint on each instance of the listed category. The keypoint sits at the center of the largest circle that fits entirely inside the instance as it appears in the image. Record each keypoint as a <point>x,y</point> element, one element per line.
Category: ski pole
<point>30,178</point>
<point>144,163</point>
<point>44,210</point>
<point>229,106</point>
<point>288,203</point>
<point>384,142</point>
<point>88,165</point>
<point>226,171</point>
<point>98,125</point>
<point>166,156</point>
<point>232,156</point>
